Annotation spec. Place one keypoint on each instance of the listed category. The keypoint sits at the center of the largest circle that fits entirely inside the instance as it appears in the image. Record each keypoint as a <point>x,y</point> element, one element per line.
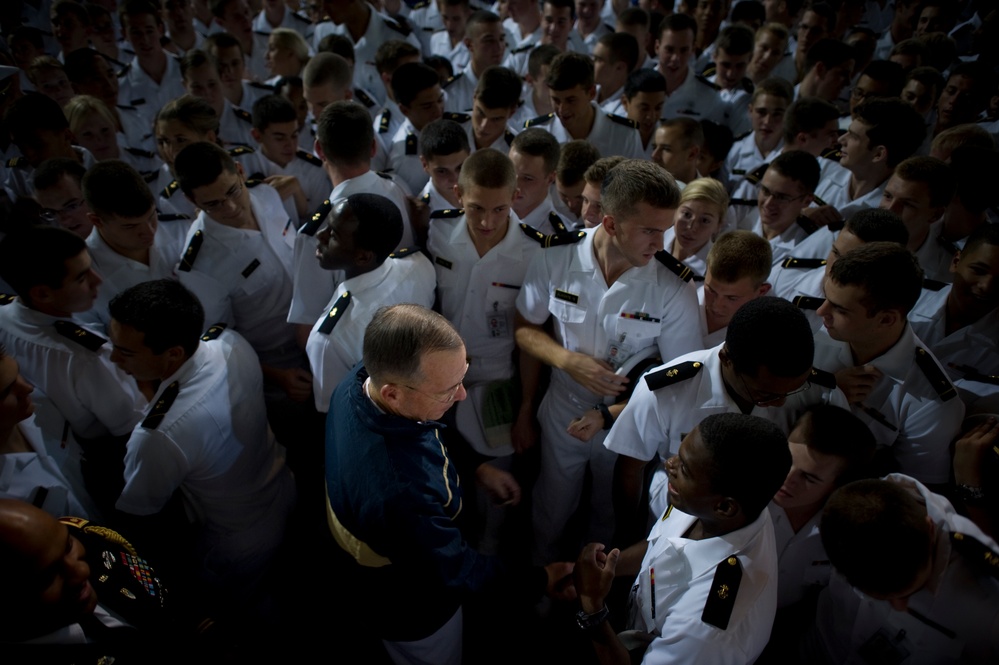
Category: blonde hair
<point>286,38</point>
<point>81,107</point>
<point>706,189</point>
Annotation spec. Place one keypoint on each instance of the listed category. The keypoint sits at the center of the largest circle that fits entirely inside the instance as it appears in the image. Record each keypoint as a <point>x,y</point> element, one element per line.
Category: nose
<point>895,206</point>
<point>95,278</point>
<point>22,388</point>
<point>460,394</point>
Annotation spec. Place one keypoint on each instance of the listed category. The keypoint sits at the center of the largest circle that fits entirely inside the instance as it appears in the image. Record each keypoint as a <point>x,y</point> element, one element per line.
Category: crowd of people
<point>605,331</point>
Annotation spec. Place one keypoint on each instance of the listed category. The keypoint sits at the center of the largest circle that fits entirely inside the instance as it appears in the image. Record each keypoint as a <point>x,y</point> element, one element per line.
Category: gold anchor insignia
<point>672,372</point>
<point>723,591</point>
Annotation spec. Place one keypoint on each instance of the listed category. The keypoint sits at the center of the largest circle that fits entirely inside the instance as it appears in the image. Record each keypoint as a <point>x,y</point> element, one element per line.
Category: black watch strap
<point>588,622</point>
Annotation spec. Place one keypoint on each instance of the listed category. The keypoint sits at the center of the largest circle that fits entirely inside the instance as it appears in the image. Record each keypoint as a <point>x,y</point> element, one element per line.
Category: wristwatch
<point>605,412</point>
<point>588,622</point>
<point>969,494</point>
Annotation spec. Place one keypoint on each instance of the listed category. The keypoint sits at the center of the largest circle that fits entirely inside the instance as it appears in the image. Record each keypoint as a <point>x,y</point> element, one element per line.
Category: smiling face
<point>675,50</point>
<point>780,201</point>
<point>98,135</point>
<point>645,108</point>
<point>64,204</point>
<point>689,473</point>
<point>976,281</point>
<point>556,23</point>
<point>573,107</point>
<point>695,223</point>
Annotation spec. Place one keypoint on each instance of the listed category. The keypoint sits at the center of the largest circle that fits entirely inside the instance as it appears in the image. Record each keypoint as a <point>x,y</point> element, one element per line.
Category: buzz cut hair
<point>568,70</point>
<point>636,181</point>
<point>573,160</point>
<point>739,254</point>
<point>327,69</point>
<point>442,137</point>
<point>489,169</point>
<point>537,142</point>
<point>598,170</point>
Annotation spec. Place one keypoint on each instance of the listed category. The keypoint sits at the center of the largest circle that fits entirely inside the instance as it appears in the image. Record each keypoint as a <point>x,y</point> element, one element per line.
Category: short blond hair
<point>81,107</point>
<point>738,254</point>
<point>706,189</point>
<point>287,38</point>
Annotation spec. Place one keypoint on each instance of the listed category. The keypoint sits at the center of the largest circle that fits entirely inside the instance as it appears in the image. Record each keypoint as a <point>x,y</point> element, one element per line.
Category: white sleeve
<point>923,444</point>
<point>681,325</point>
<point>154,468</point>
<point>107,392</point>
<point>532,301</point>
<point>642,428</point>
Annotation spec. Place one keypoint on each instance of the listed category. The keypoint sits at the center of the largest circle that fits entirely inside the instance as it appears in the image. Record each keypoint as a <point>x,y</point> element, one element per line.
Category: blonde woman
<point>287,53</point>
<point>697,221</point>
<point>95,127</point>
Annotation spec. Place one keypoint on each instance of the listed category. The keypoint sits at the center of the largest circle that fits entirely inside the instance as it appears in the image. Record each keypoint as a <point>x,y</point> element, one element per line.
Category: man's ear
<point>880,153</point>
<point>364,257</point>
<point>727,508</point>
<point>95,220</point>
<point>764,289</point>
<point>889,317</point>
<point>255,133</point>
<point>40,294</point>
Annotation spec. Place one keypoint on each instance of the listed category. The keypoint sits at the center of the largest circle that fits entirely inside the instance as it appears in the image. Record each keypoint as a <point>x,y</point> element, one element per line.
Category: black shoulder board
<point>533,234</point>
<point>169,190</point>
<point>311,226</point>
<point>124,70</point>
<point>191,253</point>
<point>425,198</point>
<point>709,70</point>
<point>16,162</point>
<point>802,264</point>
<point>411,145</point>
<point>933,285</point>
<point>447,213</point>
<point>384,174</point>
<point>670,375</point>
<point>721,597</point>
<point>972,374</point>
<point>398,24</point>
<point>453,79</point>
<point>383,122</point>
<point>309,157</point>
<point>335,313</point>
<point>558,239</point>
<point>457,117</point>
<point>752,203</point>
<point>621,120</point>
<point>523,49</point>
<point>936,376</point>
<point>171,217</point>
<point>707,82</point>
<point>140,153</point>
<point>822,378</point>
<point>742,136</point>
<point>137,102</point>
<point>403,252</point>
<point>747,85</point>
<point>7,298</point>
<point>832,153</point>
<point>675,266</point>
<point>242,115</point>
<point>364,98</point>
<point>807,302</point>
<point>81,336</point>
<point>161,407</point>
<point>423,4</point>
<point>254,180</point>
<point>947,244</point>
<point>807,224</point>
<point>556,222</point>
<point>756,175</point>
<point>238,150</point>
<point>262,86</point>
<point>540,120</point>
<point>126,107</point>
<point>509,136</point>
<point>214,332</point>
<point>818,201</point>
<point>977,551</point>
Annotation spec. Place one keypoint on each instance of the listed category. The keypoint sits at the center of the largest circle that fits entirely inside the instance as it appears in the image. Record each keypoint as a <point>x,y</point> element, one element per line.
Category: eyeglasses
<point>780,198</point>
<point>770,398</point>
<point>233,192</point>
<point>449,396</point>
<point>53,216</point>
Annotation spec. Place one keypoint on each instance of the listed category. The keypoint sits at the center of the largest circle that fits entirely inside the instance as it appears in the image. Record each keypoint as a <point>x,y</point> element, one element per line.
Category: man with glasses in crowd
<point>393,492</point>
<point>764,368</point>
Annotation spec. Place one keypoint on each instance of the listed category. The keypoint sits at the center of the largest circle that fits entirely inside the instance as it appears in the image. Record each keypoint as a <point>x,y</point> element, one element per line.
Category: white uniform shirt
<point>404,158</point>
<point>590,40</point>
<point>696,262</point>
<point>119,272</point>
<point>426,21</point>
<point>212,441</point>
<point>234,126</point>
<point>478,294</point>
<point>646,306</point>
<point>683,573</point>
<point>460,90</point>
<point>834,190</point>
<point>960,598</point>
<point>614,104</point>
<point>974,347</point>
<point>292,20</point>
<point>544,218</point>
<point>655,421</point>
<point>307,169</point>
<point>802,286</point>
<point>802,560</point>
<point>695,98</point>
<point>744,157</point>
<point>904,410</point>
<point>386,124</point>
<point>91,394</point>
<point>502,144</point>
<point>20,179</point>
<point>136,88</point>
<point>313,286</point>
<point>935,255</point>
<point>611,135</point>
<point>783,244</point>
<point>256,62</point>
<point>434,199</point>
<point>458,55</point>
<point>243,276</point>
<point>137,128</point>
<point>337,339</point>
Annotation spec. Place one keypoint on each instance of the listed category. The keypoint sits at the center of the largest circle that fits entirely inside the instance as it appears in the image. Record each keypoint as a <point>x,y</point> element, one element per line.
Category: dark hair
<point>113,187</point>
<point>877,225</point>
<point>676,23</point>
<point>489,169</point>
<point>562,4</point>
<point>540,55</point>
<point>33,36</point>
<point>139,8</point>
<point>643,80</point>
<point>193,112</point>
<point>442,137</point>
<point>749,11</point>
<point>807,115</point>
<point>974,170</point>
<point>337,45</point>
<point>833,430</point>
<point>889,275</point>
<point>751,343</point>
<point>389,54</point>
<point>568,70</point>
<point>31,114</point>
<point>345,133</point>
<point>986,234</point>
<point>735,39</point>
<point>50,172</point>
<point>498,88</point>
<point>830,52</point>
<point>749,458</point>
<point>79,64</point>
<point>928,76</point>
<point>621,47</point>
<point>379,223</point>
<point>691,131</point>
<point>200,164</point>
<point>826,11</point>
<point>36,256</point>
<point>218,40</point>
<point>164,311</point>
<point>935,176</point>
<point>631,16</point>
<point>600,168</point>
<point>217,7</point>
<point>718,139</point>
<point>888,73</point>
<point>272,109</point>
<point>194,59</point>
<point>893,124</point>
<point>441,65</point>
<point>574,159</point>
<point>799,166</point>
<point>635,181</point>
<point>410,79</point>
<point>537,142</point>
<point>399,336</point>
<point>876,535</point>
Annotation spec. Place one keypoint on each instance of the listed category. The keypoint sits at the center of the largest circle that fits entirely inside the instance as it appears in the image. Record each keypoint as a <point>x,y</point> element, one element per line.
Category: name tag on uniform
<point>248,270</point>
<point>566,296</point>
